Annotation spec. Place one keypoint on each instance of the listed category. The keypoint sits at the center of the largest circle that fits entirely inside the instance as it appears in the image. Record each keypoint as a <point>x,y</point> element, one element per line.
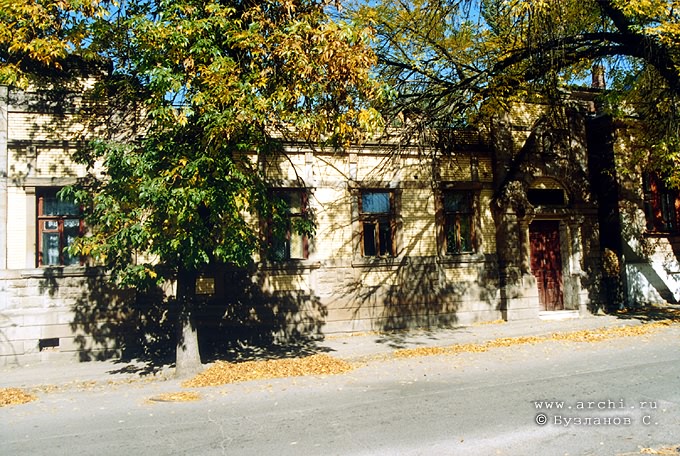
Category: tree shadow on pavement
<point>410,338</point>
<point>650,313</point>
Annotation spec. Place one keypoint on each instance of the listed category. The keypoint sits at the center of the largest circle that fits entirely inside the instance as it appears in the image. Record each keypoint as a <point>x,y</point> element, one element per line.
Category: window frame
<point>378,219</point>
<point>42,218</point>
<point>304,239</point>
<point>661,206</point>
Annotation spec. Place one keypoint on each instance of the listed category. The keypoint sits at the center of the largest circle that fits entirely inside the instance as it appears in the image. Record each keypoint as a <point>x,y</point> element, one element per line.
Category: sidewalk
<point>350,346</point>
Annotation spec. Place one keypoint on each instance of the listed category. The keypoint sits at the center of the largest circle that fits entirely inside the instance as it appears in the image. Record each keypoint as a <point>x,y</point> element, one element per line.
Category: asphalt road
<point>619,397</point>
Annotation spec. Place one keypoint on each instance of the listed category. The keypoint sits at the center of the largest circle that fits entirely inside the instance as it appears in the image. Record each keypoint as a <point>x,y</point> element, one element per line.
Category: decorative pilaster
<point>525,244</point>
<point>576,260</point>
<point>4,170</point>
<point>575,224</point>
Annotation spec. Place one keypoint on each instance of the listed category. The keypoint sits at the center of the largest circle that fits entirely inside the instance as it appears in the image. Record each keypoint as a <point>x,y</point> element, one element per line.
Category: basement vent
<point>49,344</point>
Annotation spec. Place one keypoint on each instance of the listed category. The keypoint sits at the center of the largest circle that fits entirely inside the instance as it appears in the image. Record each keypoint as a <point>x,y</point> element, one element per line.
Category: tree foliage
<point>448,58</point>
<point>216,86</point>
<point>220,84</point>
<point>36,35</point>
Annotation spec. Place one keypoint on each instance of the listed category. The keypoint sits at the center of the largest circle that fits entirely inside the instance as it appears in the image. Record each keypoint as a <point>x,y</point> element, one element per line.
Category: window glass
<point>50,249</point>
<point>55,206</point>
<point>71,232</point>
<point>378,223</point>
<point>458,235</point>
<point>546,197</point>
<point>58,226</point>
<point>370,245</point>
<point>662,205</point>
<point>385,238</point>
<point>297,247</point>
<point>375,202</point>
<point>456,202</point>
<point>294,201</point>
<point>287,244</point>
<point>458,213</point>
<point>278,249</point>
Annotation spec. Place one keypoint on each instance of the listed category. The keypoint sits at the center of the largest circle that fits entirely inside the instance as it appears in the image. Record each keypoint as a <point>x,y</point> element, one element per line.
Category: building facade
<point>451,229</point>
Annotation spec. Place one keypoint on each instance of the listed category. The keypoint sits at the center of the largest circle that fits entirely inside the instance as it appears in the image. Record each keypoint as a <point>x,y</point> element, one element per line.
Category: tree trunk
<point>188,357</point>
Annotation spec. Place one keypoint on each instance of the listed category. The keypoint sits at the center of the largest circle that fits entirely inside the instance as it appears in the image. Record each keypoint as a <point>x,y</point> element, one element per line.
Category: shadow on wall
<point>604,291</point>
<point>415,293</point>
<point>652,260</point>
<point>7,347</point>
<point>554,146</point>
<point>242,323</point>
<point>646,263</point>
<point>102,314</point>
<point>645,282</point>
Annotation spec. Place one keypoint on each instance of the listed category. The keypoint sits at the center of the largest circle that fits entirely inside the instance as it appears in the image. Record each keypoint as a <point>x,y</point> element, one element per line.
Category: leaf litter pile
<point>222,373</point>
<point>15,396</point>
<point>669,451</point>
<point>181,396</point>
<point>585,335</point>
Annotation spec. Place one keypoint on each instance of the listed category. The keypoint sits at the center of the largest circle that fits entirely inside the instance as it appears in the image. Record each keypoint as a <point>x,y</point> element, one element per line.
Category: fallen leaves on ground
<point>15,396</point>
<point>585,335</point>
<point>492,322</point>
<point>610,333</point>
<point>181,396</point>
<point>222,373</point>
<point>663,451</point>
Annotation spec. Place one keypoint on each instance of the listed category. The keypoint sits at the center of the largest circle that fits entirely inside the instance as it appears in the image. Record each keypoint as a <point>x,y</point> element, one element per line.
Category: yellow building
<point>446,230</point>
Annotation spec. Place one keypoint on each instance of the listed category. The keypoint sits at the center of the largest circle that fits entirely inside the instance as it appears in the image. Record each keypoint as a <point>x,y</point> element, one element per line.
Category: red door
<point>546,263</point>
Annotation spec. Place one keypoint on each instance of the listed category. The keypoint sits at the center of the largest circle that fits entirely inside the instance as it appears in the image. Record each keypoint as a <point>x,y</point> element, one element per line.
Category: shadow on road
<point>650,313</point>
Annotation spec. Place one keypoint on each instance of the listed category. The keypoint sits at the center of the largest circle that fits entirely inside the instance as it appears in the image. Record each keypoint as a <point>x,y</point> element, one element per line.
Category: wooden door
<point>546,263</point>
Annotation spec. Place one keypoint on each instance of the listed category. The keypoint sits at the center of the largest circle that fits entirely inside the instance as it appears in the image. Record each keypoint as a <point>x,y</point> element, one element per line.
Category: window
<point>546,197</point>
<point>285,239</point>
<point>458,211</point>
<point>662,206</point>
<point>376,215</point>
<point>59,224</point>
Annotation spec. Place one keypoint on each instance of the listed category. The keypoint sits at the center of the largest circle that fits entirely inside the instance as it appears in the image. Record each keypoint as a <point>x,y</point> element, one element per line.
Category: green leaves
<point>42,34</point>
<point>219,84</point>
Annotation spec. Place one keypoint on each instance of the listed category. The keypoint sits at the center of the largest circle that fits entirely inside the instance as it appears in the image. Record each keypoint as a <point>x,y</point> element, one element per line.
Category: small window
<point>662,205</point>
<point>59,224</point>
<point>546,197</point>
<point>458,218</point>
<point>286,241</point>
<point>376,215</point>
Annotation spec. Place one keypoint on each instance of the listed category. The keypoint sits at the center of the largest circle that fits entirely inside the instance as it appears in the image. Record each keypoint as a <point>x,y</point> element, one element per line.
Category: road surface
<point>555,398</point>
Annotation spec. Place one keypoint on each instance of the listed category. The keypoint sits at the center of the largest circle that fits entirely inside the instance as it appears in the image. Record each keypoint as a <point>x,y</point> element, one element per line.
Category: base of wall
<point>521,313</point>
<point>553,315</point>
<point>460,318</point>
